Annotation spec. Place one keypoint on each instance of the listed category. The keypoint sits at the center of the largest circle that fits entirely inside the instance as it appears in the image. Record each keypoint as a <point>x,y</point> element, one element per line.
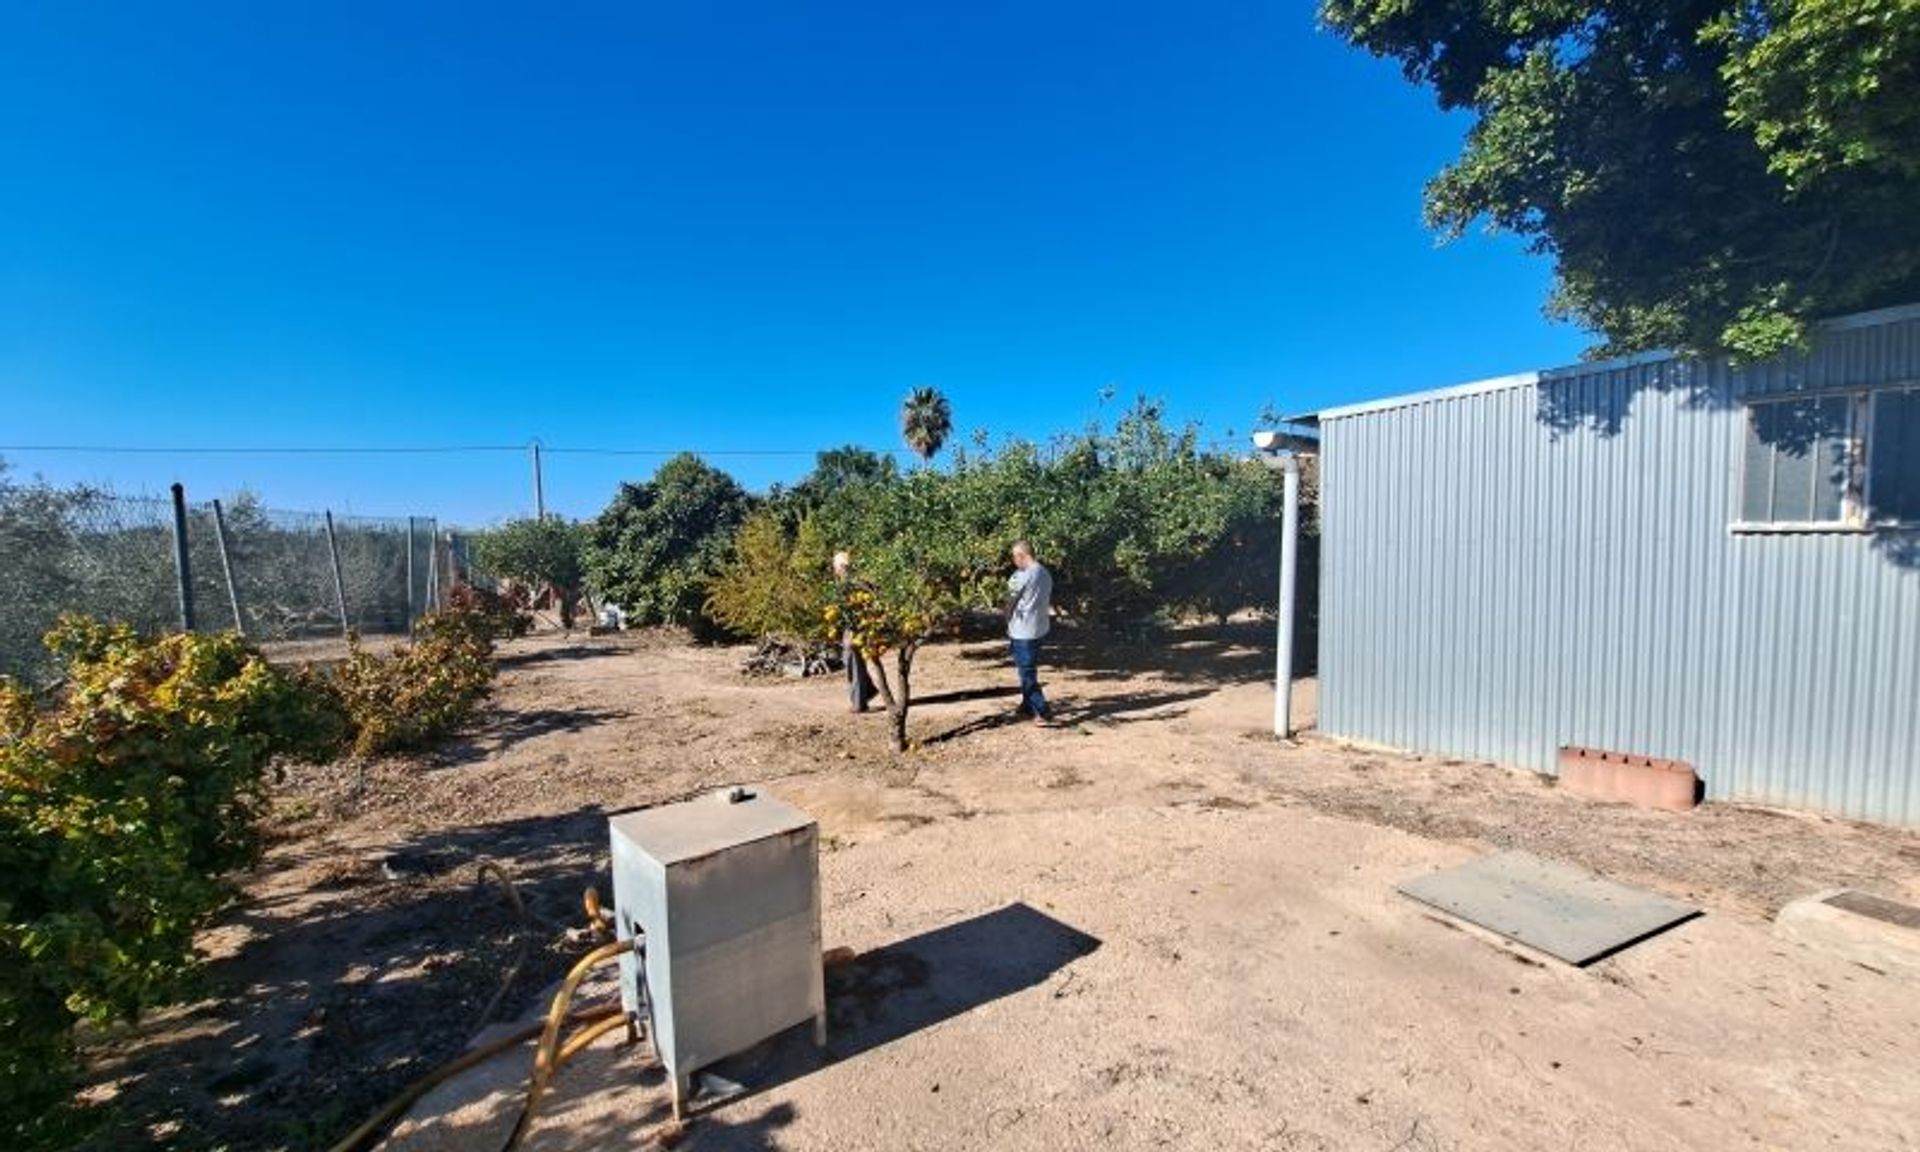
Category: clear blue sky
<point>714,226</point>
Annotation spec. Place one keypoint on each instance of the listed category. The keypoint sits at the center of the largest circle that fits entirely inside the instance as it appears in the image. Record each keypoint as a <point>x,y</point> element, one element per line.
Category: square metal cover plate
<point>1564,911</point>
<point>672,833</point>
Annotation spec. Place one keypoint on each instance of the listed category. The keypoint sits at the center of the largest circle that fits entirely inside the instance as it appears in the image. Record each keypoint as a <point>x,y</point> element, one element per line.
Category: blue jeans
<point>1026,658</point>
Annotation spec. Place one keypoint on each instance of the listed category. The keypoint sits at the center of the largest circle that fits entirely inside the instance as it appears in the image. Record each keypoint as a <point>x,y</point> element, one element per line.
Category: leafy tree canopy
<point>834,470</point>
<point>547,552</point>
<point>658,544</point>
<point>1708,175</point>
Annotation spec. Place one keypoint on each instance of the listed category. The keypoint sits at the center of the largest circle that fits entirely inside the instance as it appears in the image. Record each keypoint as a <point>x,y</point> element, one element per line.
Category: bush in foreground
<point>124,798</point>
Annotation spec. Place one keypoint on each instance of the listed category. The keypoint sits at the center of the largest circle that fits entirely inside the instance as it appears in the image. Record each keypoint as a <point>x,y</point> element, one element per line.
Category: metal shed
<point>1668,557</point>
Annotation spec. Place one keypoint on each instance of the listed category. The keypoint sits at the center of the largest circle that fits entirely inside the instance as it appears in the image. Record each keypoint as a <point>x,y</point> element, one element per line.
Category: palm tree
<point>926,419</point>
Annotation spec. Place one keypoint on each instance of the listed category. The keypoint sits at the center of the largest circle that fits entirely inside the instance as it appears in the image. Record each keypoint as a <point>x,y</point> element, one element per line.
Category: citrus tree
<point>920,563</point>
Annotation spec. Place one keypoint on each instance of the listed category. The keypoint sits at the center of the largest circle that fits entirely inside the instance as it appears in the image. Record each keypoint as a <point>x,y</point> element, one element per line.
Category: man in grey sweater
<point>1029,604</point>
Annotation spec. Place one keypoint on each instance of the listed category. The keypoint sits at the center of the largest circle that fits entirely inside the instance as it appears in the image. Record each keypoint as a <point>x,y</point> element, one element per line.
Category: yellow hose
<point>393,1109</point>
<point>598,922</point>
<point>580,1040</point>
<point>547,1056</point>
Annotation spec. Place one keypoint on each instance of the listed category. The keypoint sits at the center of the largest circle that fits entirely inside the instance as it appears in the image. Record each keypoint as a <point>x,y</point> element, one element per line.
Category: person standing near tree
<point>859,685</point>
<point>1029,612</point>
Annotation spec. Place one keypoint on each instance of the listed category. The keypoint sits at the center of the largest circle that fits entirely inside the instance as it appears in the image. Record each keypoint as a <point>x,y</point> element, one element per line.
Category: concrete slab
<point>1563,911</point>
<point>1875,933</point>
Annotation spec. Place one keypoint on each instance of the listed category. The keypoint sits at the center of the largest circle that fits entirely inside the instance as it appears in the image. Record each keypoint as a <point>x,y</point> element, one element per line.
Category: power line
<point>281,450</point>
<point>401,450</point>
<point>703,451</point>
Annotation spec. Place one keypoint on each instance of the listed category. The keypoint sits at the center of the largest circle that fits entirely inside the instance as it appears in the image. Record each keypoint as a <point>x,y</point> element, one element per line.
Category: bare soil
<point>1152,925</point>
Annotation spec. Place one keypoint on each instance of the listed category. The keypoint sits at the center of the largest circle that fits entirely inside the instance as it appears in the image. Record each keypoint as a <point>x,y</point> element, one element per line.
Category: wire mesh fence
<point>273,575</point>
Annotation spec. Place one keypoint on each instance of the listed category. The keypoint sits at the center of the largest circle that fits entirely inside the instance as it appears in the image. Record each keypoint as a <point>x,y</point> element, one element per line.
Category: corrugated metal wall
<point>1533,565</point>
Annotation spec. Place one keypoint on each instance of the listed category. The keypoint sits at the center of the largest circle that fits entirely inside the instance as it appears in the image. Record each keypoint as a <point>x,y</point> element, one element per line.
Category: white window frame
<point>1852,498</point>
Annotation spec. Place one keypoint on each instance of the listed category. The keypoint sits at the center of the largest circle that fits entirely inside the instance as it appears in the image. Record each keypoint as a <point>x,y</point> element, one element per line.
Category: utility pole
<point>539,491</point>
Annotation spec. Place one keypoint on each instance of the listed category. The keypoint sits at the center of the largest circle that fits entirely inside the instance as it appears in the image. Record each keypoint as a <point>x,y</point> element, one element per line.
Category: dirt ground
<point>1153,926</point>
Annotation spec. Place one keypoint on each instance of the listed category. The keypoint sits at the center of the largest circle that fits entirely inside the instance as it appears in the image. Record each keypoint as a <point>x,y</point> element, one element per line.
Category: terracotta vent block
<point>1643,781</point>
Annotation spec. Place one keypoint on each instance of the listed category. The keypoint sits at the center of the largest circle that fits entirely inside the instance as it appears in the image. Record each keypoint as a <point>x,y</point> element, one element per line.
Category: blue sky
<point>717,226</point>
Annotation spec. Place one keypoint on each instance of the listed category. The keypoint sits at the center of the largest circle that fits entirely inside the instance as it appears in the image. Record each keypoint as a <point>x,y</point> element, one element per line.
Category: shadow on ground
<point>1126,708</point>
<point>877,998</point>
<point>1213,654</point>
<point>334,998</point>
<point>568,654</point>
<point>505,728</point>
<point>892,992</point>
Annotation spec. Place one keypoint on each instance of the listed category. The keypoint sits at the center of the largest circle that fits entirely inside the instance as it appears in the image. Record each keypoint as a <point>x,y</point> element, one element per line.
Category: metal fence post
<point>226,565</point>
<point>339,585</point>
<point>183,572</point>
<point>409,574</point>
<point>433,566</point>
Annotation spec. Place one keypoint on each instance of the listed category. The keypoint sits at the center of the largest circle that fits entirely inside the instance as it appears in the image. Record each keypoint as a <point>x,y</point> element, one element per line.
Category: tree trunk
<point>904,661</point>
<point>896,704</point>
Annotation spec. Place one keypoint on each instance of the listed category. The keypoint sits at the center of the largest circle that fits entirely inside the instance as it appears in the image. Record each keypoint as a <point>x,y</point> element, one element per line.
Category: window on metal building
<point>1893,457</point>
<point>1832,461</point>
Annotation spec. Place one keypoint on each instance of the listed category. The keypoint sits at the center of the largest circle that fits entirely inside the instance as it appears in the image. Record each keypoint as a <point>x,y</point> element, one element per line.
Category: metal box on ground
<point>725,893</point>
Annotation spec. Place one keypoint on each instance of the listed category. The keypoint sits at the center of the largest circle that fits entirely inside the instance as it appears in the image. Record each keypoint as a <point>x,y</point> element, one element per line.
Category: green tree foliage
<point>776,583</point>
<point>834,470</point>
<point>926,420</point>
<point>659,543</point>
<point>123,799</point>
<point>922,559</point>
<point>1829,88</point>
<point>539,553</point>
<point>1707,174</point>
<point>1135,522</point>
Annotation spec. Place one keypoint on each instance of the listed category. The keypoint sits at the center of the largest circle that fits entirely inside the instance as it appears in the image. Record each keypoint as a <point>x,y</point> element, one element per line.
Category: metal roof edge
<point>1408,400</point>
<point>1873,319</point>
<point>1850,322</point>
<point>1610,364</point>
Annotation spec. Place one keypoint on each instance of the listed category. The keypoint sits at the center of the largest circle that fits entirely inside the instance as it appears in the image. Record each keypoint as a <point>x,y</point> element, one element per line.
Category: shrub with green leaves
<point>409,698</point>
<point>124,798</point>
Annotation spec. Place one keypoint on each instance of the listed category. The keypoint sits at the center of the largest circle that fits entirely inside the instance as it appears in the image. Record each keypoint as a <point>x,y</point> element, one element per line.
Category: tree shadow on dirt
<point>504,728</point>
<point>328,1000</point>
<point>568,654</point>
<point>1066,712</point>
<point>1119,709</point>
<point>966,695</point>
<point>974,727</point>
<point>1216,654</point>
